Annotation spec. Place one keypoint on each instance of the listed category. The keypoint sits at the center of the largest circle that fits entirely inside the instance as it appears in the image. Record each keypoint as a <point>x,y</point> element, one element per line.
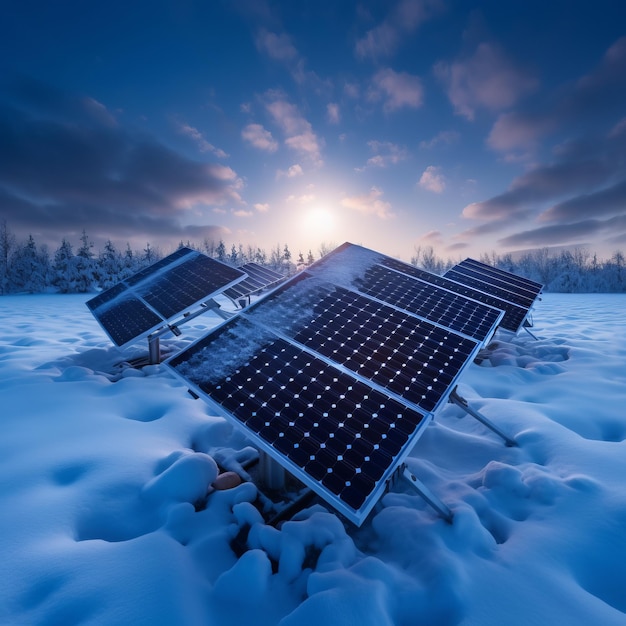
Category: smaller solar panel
<point>151,298</point>
<point>257,279</point>
<point>514,290</point>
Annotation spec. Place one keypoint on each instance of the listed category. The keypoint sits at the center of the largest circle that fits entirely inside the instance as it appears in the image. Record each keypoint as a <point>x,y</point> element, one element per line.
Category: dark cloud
<point>609,201</point>
<point>591,99</point>
<point>65,165</point>
<point>567,233</point>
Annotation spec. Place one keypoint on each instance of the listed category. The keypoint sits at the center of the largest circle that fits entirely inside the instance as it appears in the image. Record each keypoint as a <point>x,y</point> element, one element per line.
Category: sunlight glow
<point>319,221</point>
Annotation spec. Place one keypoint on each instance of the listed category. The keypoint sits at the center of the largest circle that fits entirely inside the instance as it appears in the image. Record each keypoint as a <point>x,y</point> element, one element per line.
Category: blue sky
<point>467,126</point>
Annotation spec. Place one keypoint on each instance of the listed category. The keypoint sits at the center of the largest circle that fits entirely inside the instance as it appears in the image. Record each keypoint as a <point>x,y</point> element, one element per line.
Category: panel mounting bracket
<point>428,495</point>
<point>455,398</point>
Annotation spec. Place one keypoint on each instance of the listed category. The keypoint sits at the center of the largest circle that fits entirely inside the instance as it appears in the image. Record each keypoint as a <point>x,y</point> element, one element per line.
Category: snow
<point>104,473</point>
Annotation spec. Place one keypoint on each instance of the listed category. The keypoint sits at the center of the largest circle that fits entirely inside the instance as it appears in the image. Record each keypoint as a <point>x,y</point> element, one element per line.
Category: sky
<point>468,127</point>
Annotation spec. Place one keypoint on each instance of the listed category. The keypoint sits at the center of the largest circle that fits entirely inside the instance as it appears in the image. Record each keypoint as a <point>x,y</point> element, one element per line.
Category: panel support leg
<point>154,350</point>
<point>428,495</point>
<point>455,398</point>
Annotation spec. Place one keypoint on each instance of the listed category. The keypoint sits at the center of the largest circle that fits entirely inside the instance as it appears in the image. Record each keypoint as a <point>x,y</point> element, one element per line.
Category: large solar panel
<point>257,279</point>
<point>515,290</point>
<point>151,298</point>
<point>415,291</point>
<point>335,384</point>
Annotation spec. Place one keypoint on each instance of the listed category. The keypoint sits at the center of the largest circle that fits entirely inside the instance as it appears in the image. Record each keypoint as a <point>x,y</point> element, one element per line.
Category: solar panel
<point>257,279</point>
<point>420,293</point>
<point>506,286</point>
<point>514,314</point>
<point>334,384</point>
<point>151,298</point>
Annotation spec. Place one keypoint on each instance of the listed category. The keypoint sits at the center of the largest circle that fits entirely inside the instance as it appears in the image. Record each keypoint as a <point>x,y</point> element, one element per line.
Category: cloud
<point>306,198</point>
<point>487,79</point>
<point>260,138</point>
<point>299,133</point>
<point>242,213</point>
<point>369,204</point>
<point>397,89</point>
<point>292,172</point>
<point>608,201</point>
<point>383,40</point>
<point>262,207</point>
<point>444,137</point>
<point>277,47</point>
<point>567,233</point>
<point>596,96</point>
<point>64,168</point>
<point>432,180</point>
<point>387,153</point>
<point>332,113</point>
<point>203,144</point>
<point>433,237</point>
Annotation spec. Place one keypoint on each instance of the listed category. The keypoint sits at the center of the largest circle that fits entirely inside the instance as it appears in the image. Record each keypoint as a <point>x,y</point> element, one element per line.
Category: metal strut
<point>455,398</point>
<point>428,495</point>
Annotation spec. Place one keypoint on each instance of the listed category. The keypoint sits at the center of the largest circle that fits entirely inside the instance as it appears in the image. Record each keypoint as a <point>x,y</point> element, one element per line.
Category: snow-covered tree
<point>110,266</point>
<point>86,267</point>
<point>29,268</point>
<point>64,268</point>
<point>7,247</point>
<point>220,252</point>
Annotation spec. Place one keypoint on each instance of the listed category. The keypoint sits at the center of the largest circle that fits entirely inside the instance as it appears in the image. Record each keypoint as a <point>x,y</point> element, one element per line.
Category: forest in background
<point>26,267</point>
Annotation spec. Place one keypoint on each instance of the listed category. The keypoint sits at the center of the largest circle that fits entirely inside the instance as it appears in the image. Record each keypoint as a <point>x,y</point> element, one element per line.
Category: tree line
<point>26,267</point>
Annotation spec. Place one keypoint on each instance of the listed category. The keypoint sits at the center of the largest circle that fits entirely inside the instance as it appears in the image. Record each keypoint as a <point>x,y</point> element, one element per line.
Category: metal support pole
<point>428,495</point>
<point>154,350</point>
<point>455,398</point>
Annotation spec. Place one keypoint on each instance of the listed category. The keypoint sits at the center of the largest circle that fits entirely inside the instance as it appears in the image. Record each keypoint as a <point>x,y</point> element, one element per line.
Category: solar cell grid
<point>148,300</point>
<point>475,279</point>
<point>333,429</point>
<point>514,314</point>
<point>531,286</point>
<point>427,300</point>
<point>258,278</point>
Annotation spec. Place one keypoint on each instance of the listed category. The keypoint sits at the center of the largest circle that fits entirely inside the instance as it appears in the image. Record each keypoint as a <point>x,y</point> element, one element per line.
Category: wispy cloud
<point>397,90</point>
<point>259,137</point>
<point>487,79</point>
<point>432,179</point>
<point>292,171</point>
<point>262,207</point>
<point>276,46</point>
<point>203,144</point>
<point>332,113</point>
<point>299,134</point>
<point>369,204</point>
<point>405,17</point>
<point>445,137</point>
<point>386,154</point>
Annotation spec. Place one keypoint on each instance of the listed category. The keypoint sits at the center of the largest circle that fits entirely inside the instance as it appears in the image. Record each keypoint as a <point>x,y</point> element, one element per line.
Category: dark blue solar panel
<point>333,429</point>
<point>503,277</point>
<point>258,278</point>
<point>126,318</point>
<point>474,279</point>
<point>514,315</point>
<point>148,300</point>
<point>446,308</point>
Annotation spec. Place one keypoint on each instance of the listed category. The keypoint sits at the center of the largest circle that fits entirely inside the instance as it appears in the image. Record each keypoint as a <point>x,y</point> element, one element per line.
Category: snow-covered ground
<point>101,464</point>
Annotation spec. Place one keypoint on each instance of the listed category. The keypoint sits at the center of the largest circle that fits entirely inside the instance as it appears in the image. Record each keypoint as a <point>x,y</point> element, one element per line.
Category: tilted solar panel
<point>415,291</point>
<point>501,284</point>
<point>514,314</point>
<point>257,279</point>
<point>333,383</point>
<point>151,298</point>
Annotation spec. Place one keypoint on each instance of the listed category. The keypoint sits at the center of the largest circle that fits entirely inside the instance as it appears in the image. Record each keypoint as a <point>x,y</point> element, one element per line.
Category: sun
<point>319,221</point>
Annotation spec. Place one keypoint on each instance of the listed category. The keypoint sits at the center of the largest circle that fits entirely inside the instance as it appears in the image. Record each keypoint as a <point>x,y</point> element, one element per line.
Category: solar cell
<point>257,279</point>
<point>333,382</point>
<point>150,299</point>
